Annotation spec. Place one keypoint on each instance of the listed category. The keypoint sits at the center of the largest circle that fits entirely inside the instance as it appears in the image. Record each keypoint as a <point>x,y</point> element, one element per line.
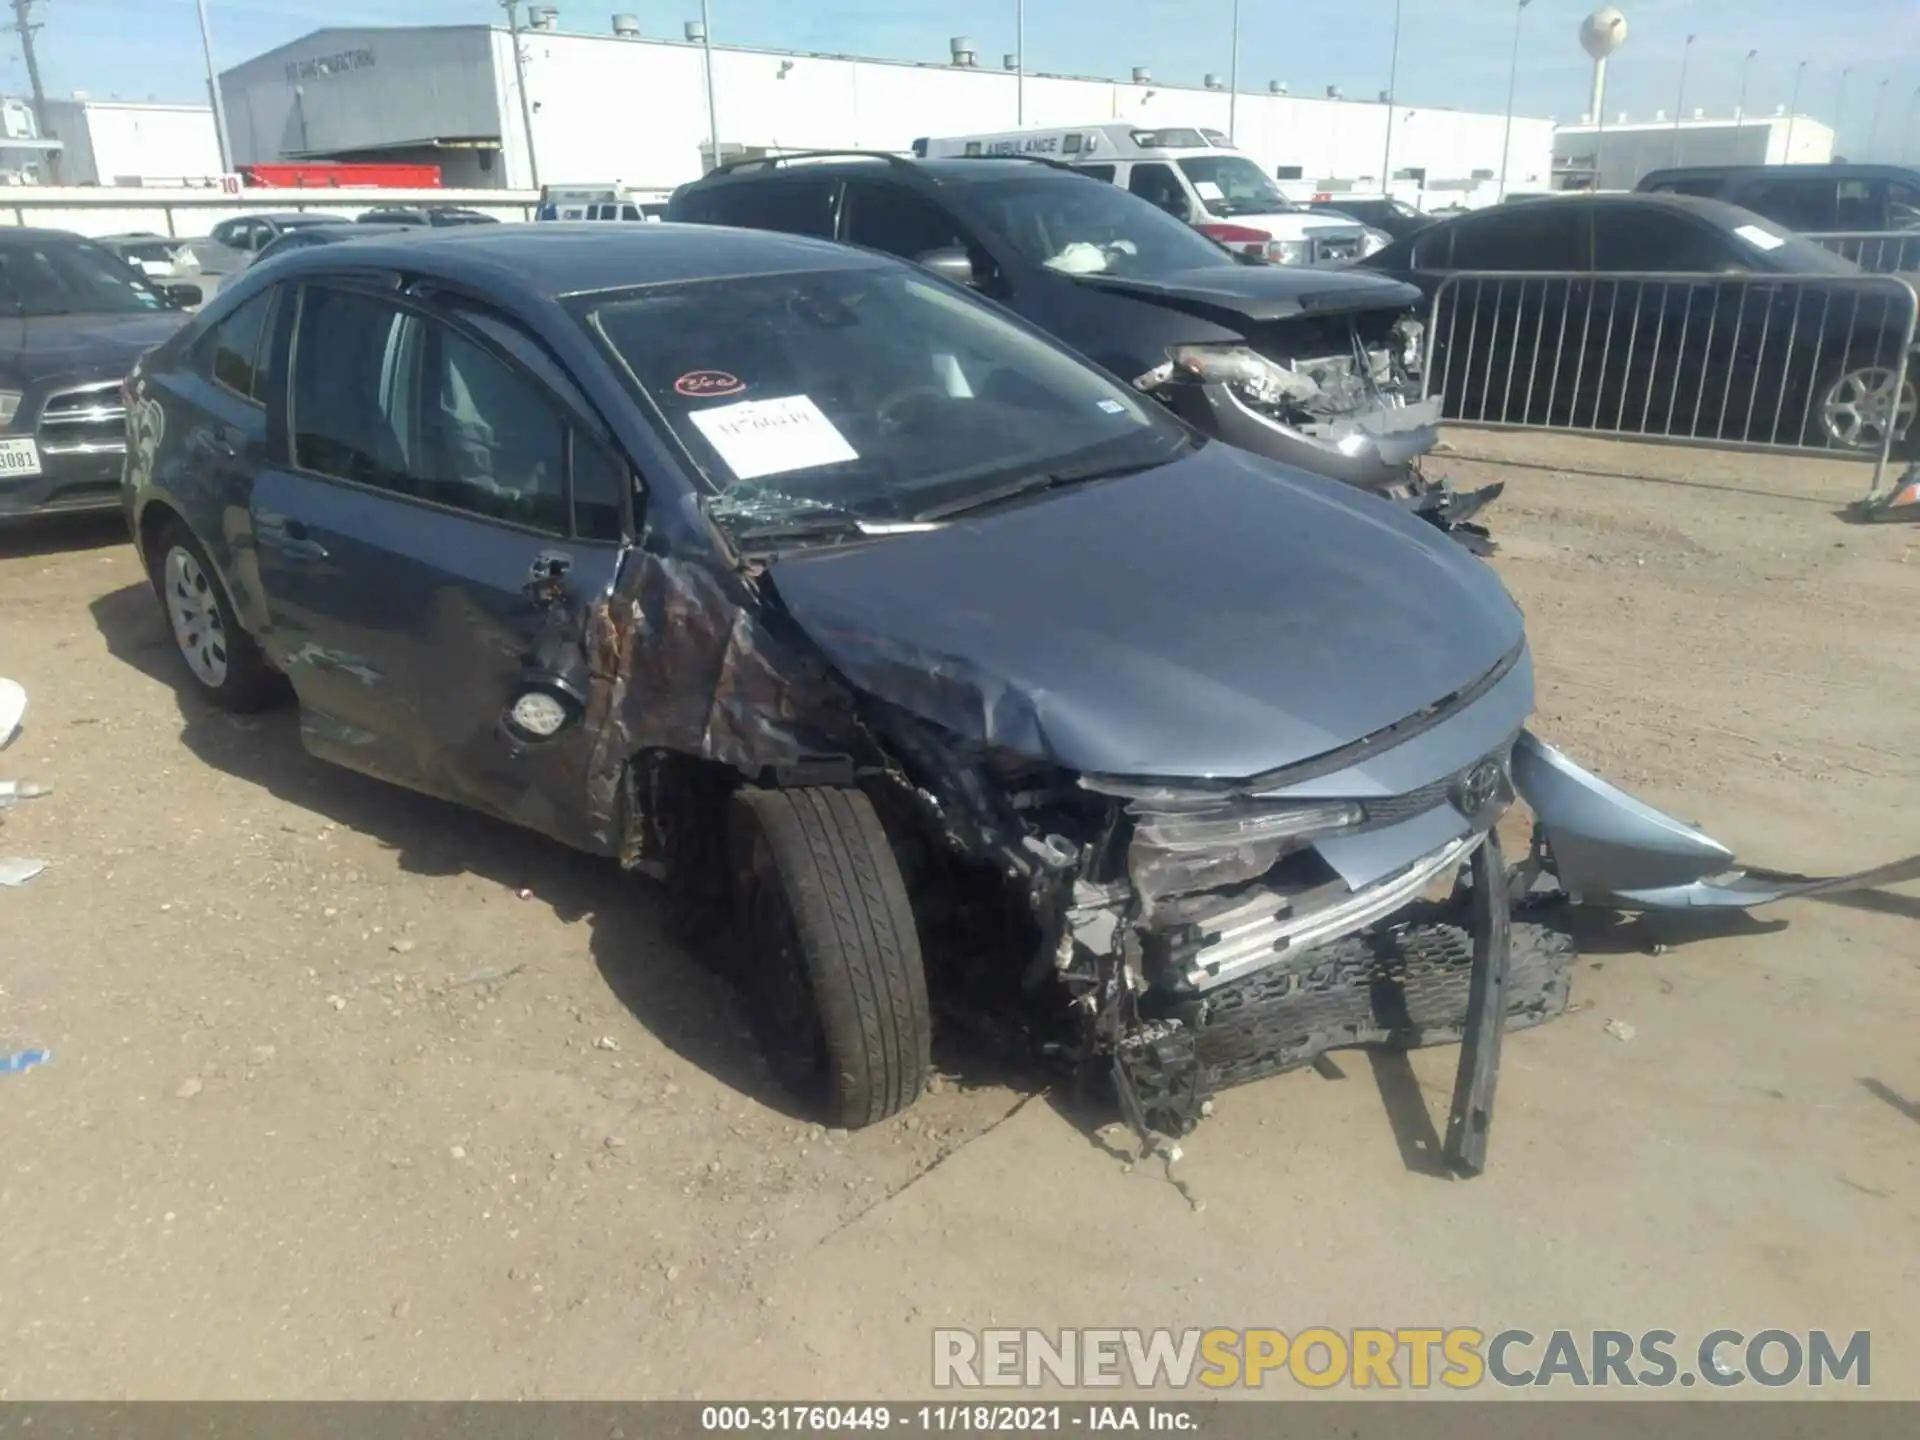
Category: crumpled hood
<point>1221,616</point>
<point>1240,293</point>
<point>83,347</point>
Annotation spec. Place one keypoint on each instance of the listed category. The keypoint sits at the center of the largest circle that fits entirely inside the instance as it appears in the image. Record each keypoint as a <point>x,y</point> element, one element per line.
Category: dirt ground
<point>356,1095</point>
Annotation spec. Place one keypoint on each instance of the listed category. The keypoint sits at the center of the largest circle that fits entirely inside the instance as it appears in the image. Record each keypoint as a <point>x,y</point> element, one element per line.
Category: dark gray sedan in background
<point>73,319</point>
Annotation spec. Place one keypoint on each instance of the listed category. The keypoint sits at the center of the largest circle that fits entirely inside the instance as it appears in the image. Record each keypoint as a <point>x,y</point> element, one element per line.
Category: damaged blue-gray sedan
<point>945,674</point>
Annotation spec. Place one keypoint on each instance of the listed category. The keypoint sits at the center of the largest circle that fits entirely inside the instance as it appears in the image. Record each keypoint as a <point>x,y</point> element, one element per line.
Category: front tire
<point>225,665</point>
<point>834,976</point>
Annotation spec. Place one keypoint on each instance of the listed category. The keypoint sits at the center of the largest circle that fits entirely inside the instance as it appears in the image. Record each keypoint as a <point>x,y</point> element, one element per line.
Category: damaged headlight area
<point>1308,388</point>
<point>1185,844</point>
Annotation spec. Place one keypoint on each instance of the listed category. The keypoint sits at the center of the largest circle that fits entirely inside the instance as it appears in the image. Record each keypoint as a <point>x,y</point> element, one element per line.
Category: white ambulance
<point>1193,174</point>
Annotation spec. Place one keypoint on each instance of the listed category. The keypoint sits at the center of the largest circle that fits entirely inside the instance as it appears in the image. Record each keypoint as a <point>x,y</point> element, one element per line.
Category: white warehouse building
<point>618,107</point>
<point>1626,150</point>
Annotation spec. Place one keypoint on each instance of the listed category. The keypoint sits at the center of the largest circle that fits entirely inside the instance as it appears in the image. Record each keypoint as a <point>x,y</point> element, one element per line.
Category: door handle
<point>217,440</point>
<point>287,537</point>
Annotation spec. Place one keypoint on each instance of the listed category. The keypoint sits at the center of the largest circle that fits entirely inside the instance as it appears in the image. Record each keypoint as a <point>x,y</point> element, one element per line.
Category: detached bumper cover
<point>1606,848</point>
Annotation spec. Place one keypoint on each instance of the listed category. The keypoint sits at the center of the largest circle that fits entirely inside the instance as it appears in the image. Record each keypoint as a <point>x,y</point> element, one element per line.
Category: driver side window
<point>1158,185</point>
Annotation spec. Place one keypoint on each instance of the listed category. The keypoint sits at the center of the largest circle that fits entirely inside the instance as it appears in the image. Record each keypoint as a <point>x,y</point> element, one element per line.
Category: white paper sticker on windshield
<point>1207,190</point>
<point>771,437</point>
<point>1758,238</point>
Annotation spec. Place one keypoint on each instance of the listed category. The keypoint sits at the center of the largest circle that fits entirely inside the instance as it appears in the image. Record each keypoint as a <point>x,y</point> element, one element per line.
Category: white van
<point>1196,175</point>
<point>600,202</point>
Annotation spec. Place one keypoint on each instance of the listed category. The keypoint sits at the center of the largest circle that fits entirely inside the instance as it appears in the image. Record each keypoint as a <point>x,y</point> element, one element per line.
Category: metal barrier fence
<point>1792,363</point>
<point>1880,252</point>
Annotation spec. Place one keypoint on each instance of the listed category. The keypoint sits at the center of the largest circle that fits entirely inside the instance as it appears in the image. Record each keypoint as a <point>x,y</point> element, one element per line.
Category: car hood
<point>1245,293</point>
<point>1221,617</point>
<point>45,347</point>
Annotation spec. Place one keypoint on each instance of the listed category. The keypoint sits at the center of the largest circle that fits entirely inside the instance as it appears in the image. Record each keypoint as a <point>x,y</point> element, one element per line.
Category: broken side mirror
<point>951,262</point>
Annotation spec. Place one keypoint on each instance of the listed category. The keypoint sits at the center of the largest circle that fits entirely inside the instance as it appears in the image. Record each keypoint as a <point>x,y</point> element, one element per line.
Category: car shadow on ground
<point>661,979</point>
<point>58,534</point>
<point>673,981</point>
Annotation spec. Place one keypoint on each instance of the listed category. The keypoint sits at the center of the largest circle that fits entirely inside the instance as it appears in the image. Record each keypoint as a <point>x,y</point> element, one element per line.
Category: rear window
<point>795,206</point>
<point>1704,189</point>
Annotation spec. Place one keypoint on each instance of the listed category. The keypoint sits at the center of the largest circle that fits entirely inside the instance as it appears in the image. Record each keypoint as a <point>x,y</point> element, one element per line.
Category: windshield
<point>1233,185</point>
<point>1088,227</point>
<point>71,277</point>
<point>872,394</point>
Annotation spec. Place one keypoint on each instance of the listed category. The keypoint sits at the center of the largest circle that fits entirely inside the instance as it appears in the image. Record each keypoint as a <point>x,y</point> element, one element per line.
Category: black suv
<point>1315,367</point>
<point>1834,200</point>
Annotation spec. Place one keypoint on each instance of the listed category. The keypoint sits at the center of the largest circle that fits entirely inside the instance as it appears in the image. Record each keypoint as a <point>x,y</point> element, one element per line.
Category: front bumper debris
<point>1459,972</point>
<point>1250,935</point>
<point>1605,848</point>
<point>1370,449</point>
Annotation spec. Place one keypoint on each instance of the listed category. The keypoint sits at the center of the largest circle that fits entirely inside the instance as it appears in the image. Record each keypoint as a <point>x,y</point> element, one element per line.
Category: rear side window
<point>1098,172</point>
<point>1705,189</point>
<point>795,206</point>
<point>1543,235</point>
<point>885,217</point>
<point>1797,202</point>
<point>235,348</point>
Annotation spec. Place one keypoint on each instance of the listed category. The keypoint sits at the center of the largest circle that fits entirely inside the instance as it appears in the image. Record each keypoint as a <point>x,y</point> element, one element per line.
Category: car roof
<point>31,234</point>
<point>952,170</point>
<point>573,258</point>
<point>1717,212</point>
<point>1837,169</point>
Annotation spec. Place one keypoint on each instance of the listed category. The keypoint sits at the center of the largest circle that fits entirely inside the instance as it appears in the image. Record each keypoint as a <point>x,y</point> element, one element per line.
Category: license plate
<point>19,457</point>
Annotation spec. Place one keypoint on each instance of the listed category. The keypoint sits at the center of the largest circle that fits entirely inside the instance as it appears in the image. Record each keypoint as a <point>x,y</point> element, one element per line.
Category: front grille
<point>87,420</point>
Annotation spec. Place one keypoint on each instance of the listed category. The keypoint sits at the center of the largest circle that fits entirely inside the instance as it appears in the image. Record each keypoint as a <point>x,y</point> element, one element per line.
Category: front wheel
<point>835,981</point>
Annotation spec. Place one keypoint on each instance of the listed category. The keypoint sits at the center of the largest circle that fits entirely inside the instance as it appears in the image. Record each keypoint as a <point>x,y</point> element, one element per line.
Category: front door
<point>440,532</point>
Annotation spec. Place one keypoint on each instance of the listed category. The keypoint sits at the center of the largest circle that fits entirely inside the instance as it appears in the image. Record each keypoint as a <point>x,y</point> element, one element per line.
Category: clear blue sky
<point>1452,52</point>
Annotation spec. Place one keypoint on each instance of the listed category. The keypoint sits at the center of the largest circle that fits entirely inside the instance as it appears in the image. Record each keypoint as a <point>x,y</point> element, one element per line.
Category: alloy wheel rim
<point>194,611</point>
<point>1856,406</point>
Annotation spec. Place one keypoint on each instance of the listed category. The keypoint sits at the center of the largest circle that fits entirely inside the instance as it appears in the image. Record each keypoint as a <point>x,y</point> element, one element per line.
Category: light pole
<point>1680,98</point>
<point>213,93</point>
<point>1840,102</point>
<point>1740,105</point>
<point>1873,125</point>
<point>1020,63</point>
<point>1793,106</point>
<point>1513,76</point>
<point>520,82</point>
<point>706,52</point>
<point>1233,79</point>
<point>1393,83</point>
<point>1913,103</point>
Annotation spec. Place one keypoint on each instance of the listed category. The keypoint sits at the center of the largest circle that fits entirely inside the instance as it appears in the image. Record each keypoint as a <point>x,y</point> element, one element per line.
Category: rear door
<point>443,516</point>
